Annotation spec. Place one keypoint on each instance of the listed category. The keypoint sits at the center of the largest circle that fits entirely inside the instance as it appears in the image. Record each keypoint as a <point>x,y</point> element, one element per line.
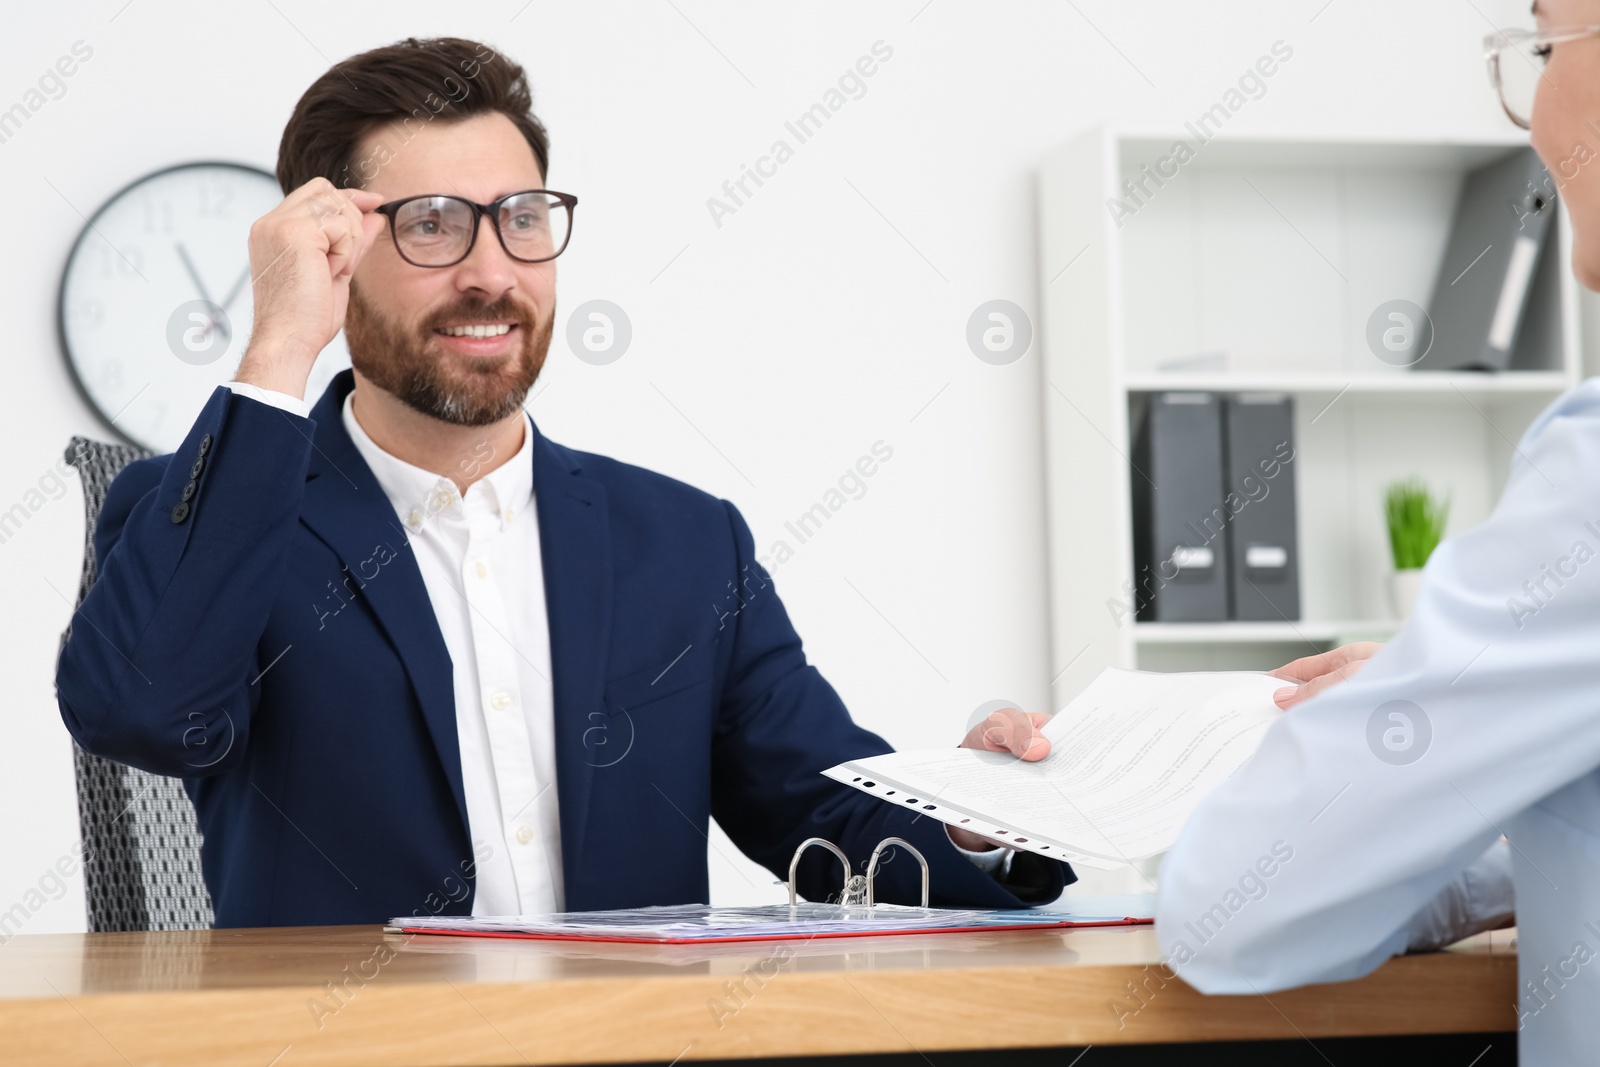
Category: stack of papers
<point>694,923</point>
<point>1130,758</point>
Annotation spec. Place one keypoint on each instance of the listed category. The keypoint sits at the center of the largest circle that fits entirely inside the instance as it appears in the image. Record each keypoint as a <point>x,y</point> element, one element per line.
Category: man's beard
<point>464,390</point>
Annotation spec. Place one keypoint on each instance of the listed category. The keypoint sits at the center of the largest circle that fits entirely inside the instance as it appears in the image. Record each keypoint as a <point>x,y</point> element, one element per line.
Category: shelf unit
<point>1262,633</point>
<point>1273,252</point>
<point>1548,383</point>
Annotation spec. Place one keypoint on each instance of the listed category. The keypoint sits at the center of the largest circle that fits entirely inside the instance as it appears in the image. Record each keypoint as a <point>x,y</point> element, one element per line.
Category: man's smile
<point>480,339</point>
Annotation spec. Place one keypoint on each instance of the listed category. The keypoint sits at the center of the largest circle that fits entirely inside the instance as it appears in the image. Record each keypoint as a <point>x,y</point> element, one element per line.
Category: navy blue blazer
<point>259,627</point>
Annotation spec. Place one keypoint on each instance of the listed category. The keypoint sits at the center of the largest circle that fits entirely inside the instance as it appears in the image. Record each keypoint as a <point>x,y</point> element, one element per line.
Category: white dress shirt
<point>1482,716</point>
<point>480,561</point>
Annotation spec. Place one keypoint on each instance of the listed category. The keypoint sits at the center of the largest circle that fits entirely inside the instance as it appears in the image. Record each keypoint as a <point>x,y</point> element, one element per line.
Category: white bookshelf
<point>1262,633</point>
<point>1444,384</point>
<point>1274,252</point>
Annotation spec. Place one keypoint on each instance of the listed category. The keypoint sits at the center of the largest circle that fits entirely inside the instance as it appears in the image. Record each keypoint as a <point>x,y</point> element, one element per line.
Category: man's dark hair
<point>401,87</point>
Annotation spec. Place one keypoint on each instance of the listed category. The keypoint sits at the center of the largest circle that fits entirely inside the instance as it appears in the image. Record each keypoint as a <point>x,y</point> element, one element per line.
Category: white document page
<point>1130,758</point>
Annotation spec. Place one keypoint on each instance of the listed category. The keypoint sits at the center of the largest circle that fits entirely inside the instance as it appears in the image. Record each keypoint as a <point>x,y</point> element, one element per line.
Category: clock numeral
<point>127,262</point>
<point>157,213</point>
<point>215,198</point>
<point>111,375</point>
<point>154,211</point>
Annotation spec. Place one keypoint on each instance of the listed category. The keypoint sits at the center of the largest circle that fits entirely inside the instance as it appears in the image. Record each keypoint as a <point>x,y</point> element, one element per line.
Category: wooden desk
<point>297,996</point>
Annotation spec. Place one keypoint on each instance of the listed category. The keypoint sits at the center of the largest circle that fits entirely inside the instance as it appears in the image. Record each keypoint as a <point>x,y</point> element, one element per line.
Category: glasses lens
<point>1521,67</point>
<point>535,225</point>
<point>433,230</point>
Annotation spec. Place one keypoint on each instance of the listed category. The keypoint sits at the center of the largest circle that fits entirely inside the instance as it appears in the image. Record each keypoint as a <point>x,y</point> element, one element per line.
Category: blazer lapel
<point>348,510</point>
<point>575,546</point>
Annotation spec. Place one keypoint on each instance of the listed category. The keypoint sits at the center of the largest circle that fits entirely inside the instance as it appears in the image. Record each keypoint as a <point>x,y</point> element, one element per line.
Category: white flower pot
<point>1403,586</point>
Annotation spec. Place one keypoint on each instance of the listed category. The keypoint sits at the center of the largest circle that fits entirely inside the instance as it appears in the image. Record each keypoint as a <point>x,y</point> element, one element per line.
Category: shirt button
<point>508,515</point>
<point>414,518</point>
<point>483,572</point>
<point>501,701</point>
<point>524,834</point>
<point>441,500</point>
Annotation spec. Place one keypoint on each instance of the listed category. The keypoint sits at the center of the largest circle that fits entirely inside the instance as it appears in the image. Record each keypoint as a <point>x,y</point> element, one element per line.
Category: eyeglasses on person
<point>434,230</point>
<point>1516,60</point>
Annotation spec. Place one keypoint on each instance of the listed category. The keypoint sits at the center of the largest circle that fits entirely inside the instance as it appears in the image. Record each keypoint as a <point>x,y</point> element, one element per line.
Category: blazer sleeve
<point>157,667</point>
<point>780,725</point>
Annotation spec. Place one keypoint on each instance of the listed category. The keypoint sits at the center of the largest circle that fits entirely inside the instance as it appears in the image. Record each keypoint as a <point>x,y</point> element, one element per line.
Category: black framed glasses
<point>434,230</point>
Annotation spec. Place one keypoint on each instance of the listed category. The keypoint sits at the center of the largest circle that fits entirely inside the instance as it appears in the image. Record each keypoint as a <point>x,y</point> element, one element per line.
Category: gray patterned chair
<point>141,856</point>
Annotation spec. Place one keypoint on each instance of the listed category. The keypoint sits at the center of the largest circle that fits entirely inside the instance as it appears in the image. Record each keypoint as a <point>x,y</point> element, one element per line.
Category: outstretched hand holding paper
<point>1130,758</point>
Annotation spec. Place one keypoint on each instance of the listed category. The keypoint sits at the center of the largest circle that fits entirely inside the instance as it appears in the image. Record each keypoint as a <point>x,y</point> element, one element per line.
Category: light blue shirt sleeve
<point>1369,821</point>
<point>1480,898</point>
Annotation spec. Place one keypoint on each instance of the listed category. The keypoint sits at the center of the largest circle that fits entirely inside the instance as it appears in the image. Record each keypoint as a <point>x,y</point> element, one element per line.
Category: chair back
<point>141,844</point>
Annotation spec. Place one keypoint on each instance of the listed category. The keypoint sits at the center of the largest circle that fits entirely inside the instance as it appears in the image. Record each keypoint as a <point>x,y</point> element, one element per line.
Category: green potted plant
<point>1416,526</point>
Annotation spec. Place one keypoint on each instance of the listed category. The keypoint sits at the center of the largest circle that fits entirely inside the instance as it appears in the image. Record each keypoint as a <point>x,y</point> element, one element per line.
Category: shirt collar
<point>419,494</point>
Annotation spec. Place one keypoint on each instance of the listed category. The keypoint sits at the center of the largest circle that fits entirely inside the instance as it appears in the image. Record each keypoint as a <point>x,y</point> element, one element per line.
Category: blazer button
<point>180,511</point>
<point>205,444</point>
<point>199,465</point>
<point>188,492</point>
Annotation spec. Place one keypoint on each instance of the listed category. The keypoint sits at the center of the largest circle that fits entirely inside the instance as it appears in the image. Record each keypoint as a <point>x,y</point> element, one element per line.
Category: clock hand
<point>233,294</point>
<point>194,276</point>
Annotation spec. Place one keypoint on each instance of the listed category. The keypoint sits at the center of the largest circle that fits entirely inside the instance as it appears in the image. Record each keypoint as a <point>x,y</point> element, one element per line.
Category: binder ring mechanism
<point>855,885</point>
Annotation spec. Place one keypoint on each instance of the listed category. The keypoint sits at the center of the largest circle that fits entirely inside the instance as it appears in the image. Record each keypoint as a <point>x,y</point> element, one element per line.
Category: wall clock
<point>155,304</point>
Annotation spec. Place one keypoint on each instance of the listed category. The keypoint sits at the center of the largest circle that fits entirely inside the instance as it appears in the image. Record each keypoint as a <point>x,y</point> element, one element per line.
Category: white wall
<point>827,314</point>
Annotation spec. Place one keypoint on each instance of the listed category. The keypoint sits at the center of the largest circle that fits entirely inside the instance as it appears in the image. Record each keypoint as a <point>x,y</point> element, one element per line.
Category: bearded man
<point>439,663</point>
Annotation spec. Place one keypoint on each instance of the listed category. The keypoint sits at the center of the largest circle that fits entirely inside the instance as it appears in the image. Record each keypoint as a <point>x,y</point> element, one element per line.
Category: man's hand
<point>1006,730</point>
<point>1316,674</point>
<point>302,255</point>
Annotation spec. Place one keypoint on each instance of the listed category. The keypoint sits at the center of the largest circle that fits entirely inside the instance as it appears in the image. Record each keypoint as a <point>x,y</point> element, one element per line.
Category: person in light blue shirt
<point>1413,785</point>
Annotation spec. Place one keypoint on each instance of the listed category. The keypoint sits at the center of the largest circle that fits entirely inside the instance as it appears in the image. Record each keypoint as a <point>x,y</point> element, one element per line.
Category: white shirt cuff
<point>997,861</point>
<point>1481,898</point>
<point>292,404</point>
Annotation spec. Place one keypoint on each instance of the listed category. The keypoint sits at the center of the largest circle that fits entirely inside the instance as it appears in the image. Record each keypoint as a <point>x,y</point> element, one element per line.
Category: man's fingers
<point>316,227</point>
<point>323,189</point>
<point>343,216</point>
<point>1036,746</point>
<point>368,223</point>
<point>360,228</point>
<point>341,248</point>
<point>328,210</point>
<point>372,226</point>
<point>1010,730</point>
